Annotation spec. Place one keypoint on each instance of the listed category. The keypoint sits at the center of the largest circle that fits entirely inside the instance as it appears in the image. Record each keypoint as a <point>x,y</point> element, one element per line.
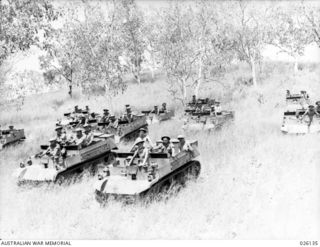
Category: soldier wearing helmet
<point>106,116</point>
<point>164,107</point>
<point>60,135</point>
<point>53,150</point>
<point>310,112</point>
<point>166,146</point>
<point>183,144</point>
<point>155,110</point>
<point>143,136</point>
<point>318,107</point>
<point>79,138</point>
<point>88,135</point>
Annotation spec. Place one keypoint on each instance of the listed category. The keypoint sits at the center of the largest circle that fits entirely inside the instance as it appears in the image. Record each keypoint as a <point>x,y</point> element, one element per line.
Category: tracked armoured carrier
<point>124,130</point>
<point>293,124</point>
<point>134,179</point>
<point>39,169</point>
<point>11,136</point>
<point>203,103</point>
<point>295,102</point>
<point>153,117</point>
<point>205,121</point>
<point>73,120</point>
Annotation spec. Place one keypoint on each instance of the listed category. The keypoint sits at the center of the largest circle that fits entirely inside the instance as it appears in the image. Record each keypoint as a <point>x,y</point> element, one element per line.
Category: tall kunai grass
<point>256,183</point>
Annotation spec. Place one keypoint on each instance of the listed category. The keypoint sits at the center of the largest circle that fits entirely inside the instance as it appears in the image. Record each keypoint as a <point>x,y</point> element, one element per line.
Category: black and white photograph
<point>159,120</point>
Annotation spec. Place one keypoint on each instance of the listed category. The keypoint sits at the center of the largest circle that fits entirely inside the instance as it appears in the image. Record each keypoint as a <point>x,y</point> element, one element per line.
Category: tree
<point>311,14</point>
<point>23,23</point>
<point>194,48</point>
<point>132,35</point>
<point>288,33</point>
<point>61,58</point>
<point>250,32</point>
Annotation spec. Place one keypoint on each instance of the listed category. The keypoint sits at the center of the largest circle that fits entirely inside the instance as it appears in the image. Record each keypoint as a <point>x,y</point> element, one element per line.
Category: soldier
<point>53,151</point>
<point>140,150</point>
<point>76,109</point>
<point>155,110</point>
<point>128,116</point>
<point>79,138</point>
<point>88,135</point>
<point>194,99</point>
<point>288,94</point>
<point>183,145</point>
<point>164,107</point>
<point>11,129</point>
<point>106,116</point>
<point>318,107</point>
<point>144,137</point>
<point>87,109</point>
<point>61,136</point>
<point>218,108</point>
<point>310,112</point>
<point>212,110</point>
<point>166,146</point>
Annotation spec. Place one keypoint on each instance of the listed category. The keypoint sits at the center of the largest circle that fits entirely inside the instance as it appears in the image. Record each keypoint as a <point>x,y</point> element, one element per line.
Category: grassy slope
<point>255,183</point>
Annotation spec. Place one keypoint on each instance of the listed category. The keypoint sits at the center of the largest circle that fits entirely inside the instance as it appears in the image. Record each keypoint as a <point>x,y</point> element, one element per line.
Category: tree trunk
<point>295,65</point>
<point>199,82</point>
<point>253,71</point>
<point>184,91</point>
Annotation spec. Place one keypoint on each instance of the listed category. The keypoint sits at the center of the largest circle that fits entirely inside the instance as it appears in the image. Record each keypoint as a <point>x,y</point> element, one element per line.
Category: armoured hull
<point>9,137</point>
<point>136,182</point>
<point>293,125</point>
<point>45,169</point>
<point>162,116</point>
<point>127,130</point>
<point>207,122</point>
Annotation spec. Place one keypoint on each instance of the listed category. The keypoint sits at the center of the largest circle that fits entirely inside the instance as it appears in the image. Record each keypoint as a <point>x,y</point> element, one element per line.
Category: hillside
<point>256,183</point>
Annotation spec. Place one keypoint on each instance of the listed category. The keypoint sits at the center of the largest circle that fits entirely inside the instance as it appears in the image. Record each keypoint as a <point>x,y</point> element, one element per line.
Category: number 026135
<point>309,243</point>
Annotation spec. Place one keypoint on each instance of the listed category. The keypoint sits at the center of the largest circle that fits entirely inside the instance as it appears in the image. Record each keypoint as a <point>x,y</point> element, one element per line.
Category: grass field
<point>256,183</point>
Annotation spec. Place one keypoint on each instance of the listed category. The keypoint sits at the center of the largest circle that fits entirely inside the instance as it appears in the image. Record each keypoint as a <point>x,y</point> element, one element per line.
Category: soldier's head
<point>193,98</point>
<point>127,106</point>
<point>59,130</point>
<point>53,142</point>
<point>181,139</point>
<point>76,107</point>
<point>128,110</point>
<point>87,108</point>
<point>79,132</point>
<point>10,127</point>
<point>165,140</point>
<point>156,107</point>
<point>318,103</point>
<point>142,132</point>
<point>106,112</point>
<point>311,107</point>
<point>164,105</point>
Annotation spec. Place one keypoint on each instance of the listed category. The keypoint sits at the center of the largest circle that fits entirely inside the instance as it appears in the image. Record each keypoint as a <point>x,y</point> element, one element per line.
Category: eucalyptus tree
<point>289,33</point>
<point>133,37</point>
<point>194,47</point>
<point>311,15</point>
<point>250,31</point>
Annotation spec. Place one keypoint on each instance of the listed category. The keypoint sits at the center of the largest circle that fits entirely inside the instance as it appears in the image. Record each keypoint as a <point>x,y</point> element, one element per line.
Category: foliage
<point>23,23</point>
<point>193,47</point>
<point>289,34</point>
